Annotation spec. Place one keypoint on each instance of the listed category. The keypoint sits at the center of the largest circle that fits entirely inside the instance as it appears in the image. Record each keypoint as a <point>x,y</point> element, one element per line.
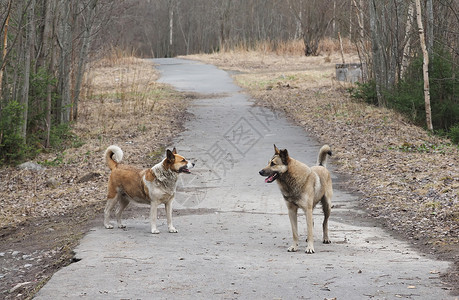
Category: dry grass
<point>43,214</point>
<point>122,104</point>
<point>327,47</point>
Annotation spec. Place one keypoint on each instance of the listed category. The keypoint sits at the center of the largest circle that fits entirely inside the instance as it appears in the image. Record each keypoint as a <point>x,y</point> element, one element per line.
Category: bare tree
<point>65,44</point>
<point>49,30</point>
<point>407,40</point>
<point>28,47</point>
<point>4,28</point>
<point>315,18</point>
<point>430,26</point>
<point>425,66</point>
<point>88,13</point>
<point>376,52</point>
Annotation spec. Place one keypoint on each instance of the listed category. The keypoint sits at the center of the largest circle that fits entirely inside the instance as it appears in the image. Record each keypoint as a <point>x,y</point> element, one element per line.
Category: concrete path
<point>234,229</point>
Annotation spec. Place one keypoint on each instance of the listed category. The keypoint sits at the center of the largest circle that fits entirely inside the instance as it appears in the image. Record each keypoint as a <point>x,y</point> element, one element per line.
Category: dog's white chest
<point>159,191</point>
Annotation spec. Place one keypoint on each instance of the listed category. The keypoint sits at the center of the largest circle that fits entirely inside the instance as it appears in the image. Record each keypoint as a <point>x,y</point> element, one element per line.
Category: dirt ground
<point>407,179</point>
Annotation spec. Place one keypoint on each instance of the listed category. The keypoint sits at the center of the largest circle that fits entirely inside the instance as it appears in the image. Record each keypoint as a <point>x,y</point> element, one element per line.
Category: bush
<point>12,144</point>
<point>407,96</point>
<point>36,120</point>
<point>454,134</point>
<point>62,137</point>
<point>365,91</point>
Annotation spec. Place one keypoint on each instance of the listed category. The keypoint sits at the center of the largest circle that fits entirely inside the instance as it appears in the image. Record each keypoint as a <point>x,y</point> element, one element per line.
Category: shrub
<point>407,96</point>
<point>12,143</point>
<point>13,147</point>
<point>454,134</point>
<point>365,91</point>
<point>62,137</point>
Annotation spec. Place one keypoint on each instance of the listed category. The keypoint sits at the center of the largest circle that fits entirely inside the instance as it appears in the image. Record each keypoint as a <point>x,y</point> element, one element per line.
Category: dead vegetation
<point>406,177</point>
<point>44,213</point>
<point>122,105</point>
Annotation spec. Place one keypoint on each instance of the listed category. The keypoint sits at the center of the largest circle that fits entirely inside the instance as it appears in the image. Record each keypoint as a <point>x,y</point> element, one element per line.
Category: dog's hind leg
<point>308,208</point>
<point>293,216</point>
<point>108,209</point>
<point>119,210</point>
<point>310,228</point>
<point>326,208</point>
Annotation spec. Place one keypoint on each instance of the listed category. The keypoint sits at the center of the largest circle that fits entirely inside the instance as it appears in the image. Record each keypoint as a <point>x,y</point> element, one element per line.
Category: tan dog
<point>302,187</point>
<point>150,186</point>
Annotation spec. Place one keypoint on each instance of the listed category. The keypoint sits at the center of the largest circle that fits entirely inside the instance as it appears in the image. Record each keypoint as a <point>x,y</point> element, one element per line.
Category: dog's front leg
<point>171,227</point>
<point>154,216</point>
<point>293,216</point>
<point>310,225</point>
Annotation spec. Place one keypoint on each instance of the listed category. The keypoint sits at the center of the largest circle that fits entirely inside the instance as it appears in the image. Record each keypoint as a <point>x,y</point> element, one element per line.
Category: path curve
<point>234,229</point>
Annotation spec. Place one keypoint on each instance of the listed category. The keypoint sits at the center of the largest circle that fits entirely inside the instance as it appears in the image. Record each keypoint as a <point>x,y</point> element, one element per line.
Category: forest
<point>409,51</point>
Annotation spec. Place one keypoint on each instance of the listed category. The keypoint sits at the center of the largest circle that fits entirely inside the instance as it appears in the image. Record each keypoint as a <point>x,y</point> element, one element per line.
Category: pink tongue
<point>269,179</point>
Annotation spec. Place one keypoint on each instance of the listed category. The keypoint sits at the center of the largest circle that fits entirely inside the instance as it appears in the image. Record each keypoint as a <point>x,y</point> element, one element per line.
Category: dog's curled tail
<point>113,156</point>
<point>323,152</point>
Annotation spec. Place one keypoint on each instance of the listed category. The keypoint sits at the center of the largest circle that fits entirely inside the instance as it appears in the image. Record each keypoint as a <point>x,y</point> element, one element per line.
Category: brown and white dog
<point>149,186</point>
<point>302,187</point>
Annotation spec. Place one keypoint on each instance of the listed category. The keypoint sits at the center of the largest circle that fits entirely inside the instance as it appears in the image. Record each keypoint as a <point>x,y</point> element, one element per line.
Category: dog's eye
<point>272,164</point>
<point>183,160</point>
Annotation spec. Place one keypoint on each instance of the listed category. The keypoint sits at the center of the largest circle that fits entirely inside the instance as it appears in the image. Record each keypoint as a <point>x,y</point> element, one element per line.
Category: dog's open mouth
<point>272,177</point>
<point>184,169</point>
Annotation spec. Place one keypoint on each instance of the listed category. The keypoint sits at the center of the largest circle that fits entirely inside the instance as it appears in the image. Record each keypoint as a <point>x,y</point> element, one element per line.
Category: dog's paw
<point>292,249</point>
<point>173,230</point>
<point>155,231</point>
<point>327,241</point>
<point>121,226</point>
<point>109,226</point>
<point>309,250</point>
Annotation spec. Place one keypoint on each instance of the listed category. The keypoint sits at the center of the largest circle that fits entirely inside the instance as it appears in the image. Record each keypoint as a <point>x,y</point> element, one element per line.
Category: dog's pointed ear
<point>284,156</point>
<point>174,151</point>
<point>276,150</point>
<point>170,156</point>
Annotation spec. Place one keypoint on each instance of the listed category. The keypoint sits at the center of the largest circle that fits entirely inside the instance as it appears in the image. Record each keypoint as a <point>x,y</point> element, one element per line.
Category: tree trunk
<point>65,61</point>
<point>50,28</point>
<point>361,21</point>
<point>425,66</point>
<point>28,46</point>
<point>5,46</point>
<point>341,47</point>
<point>407,43</point>
<point>376,52</point>
<point>171,27</point>
<point>334,19</point>
<point>361,48</point>
<point>87,34</point>
<point>430,26</point>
